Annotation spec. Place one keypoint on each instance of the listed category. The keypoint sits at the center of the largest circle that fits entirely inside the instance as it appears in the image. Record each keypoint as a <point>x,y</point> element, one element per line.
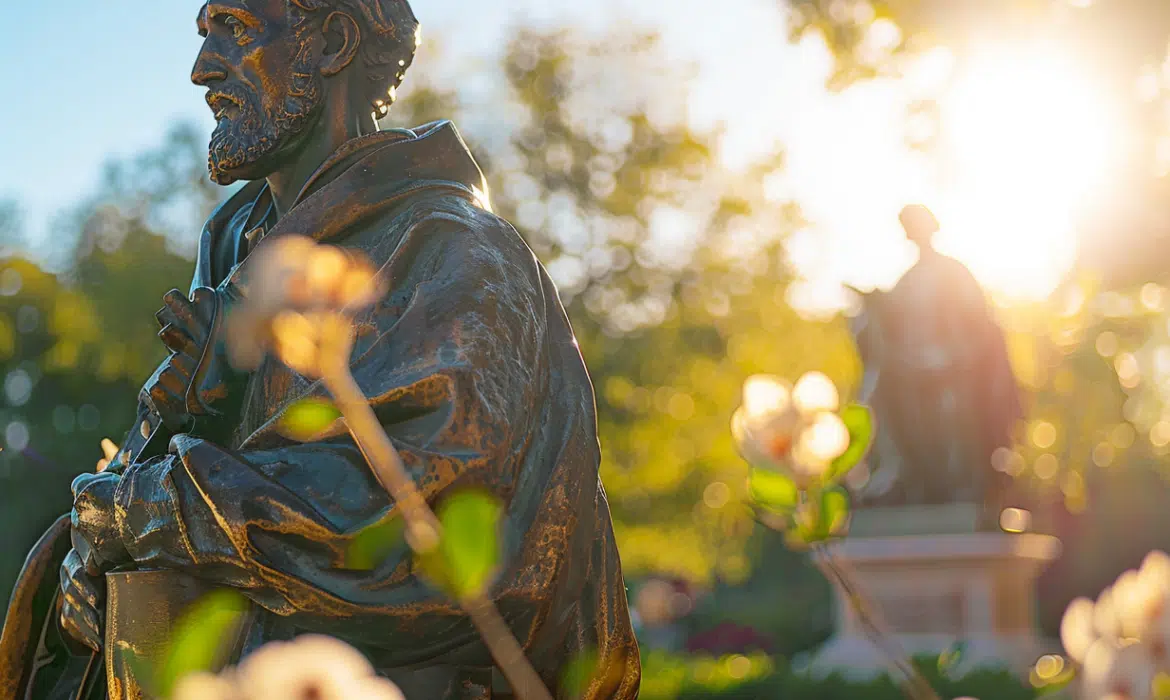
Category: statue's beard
<point>253,134</point>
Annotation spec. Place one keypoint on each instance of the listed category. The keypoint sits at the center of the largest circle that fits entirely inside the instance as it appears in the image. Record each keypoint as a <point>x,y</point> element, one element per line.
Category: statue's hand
<point>82,603</point>
<point>186,323</point>
<point>95,530</point>
<point>186,330</point>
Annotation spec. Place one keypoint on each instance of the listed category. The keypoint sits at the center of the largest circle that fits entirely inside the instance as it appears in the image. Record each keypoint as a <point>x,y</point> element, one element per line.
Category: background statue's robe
<point>940,381</point>
<point>470,364</point>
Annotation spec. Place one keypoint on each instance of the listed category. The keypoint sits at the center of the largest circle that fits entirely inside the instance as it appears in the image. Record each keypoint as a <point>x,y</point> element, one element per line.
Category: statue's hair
<point>389,40</point>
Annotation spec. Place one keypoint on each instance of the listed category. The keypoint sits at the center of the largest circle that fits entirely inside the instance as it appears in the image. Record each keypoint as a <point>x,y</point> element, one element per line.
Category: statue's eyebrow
<point>202,21</point>
<point>238,10</point>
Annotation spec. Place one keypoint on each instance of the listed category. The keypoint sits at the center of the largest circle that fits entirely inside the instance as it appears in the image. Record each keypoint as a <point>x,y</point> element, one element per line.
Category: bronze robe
<point>472,367</point>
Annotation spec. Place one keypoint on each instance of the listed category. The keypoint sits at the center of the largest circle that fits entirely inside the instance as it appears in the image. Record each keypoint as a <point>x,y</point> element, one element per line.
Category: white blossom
<point>1077,631</point>
<point>1125,673</point>
<point>1122,640</point>
<point>310,666</point>
<point>790,430</point>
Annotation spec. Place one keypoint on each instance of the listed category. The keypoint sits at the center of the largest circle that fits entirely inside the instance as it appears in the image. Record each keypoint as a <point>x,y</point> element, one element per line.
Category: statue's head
<point>920,224</point>
<point>272,66</point>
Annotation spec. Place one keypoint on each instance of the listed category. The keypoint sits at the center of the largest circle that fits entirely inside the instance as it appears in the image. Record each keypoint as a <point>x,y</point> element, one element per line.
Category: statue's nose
<point>208,69</point>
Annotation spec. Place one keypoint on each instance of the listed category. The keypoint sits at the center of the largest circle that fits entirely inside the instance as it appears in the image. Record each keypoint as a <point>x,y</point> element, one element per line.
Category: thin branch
<point>915,686</point>
<point>422,525</point>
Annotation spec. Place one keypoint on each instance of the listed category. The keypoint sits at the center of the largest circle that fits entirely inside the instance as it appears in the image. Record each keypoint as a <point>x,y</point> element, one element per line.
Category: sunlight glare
<point>1028,142</point>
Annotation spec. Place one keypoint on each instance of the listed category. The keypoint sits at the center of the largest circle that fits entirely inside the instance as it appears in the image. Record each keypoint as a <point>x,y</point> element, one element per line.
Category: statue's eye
<point>237,27</point>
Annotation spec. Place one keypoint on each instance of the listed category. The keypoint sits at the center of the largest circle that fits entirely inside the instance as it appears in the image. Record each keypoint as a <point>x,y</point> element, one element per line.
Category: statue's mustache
<point>227,97</point>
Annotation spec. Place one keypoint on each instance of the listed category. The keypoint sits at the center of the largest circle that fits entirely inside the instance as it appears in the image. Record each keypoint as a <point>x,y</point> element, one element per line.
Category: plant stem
<point>422,526</point>
<point>914,685</point>
<point>505,649</point>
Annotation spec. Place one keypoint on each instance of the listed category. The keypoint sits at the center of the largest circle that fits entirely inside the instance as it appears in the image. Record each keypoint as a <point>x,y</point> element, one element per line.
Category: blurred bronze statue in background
<point>938,377</point>
<point>468,360</point>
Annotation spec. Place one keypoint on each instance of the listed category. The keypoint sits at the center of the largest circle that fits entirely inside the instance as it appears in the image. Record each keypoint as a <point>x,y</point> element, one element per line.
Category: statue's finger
<point>177,338</point>
<point>177,309</point>
<point>85,552</point>
<point>83,625</point>
<point>79,588</point>
<point>171,380</point>
<point>204,301</point>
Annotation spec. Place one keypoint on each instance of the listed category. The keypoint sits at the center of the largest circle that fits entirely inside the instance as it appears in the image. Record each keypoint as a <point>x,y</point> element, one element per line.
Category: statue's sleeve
<point>454,361</point>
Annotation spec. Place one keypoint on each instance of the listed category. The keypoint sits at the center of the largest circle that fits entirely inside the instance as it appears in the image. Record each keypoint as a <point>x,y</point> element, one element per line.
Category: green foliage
<point>370,547</point>
<point>950,659</point>
<point>696,678</point>
<point>200,639</point>
<point>859,421</point>
<point>579,671</point>
<point>468,555</point>
<point>308,418</point>
<point>774,491</point>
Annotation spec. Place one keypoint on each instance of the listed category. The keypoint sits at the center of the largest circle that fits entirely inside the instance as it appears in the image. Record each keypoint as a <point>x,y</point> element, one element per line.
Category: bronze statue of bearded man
<point>468,360</point>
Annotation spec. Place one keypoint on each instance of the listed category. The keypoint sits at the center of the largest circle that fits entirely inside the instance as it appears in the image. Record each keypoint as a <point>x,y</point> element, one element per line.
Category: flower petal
<point>815,392</point>
<point>765,395</point>
<point>1076,628</point>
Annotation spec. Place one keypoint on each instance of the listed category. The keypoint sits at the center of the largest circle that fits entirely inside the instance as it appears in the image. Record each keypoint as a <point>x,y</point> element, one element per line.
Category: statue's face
<point>262,84</point>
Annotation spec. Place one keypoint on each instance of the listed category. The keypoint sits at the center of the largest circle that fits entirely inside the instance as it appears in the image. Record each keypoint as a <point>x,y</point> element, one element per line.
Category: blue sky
<point>90,80</point>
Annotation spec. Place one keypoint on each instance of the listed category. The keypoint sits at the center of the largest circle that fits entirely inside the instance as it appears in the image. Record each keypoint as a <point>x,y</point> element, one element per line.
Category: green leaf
<point>375,543</point>
<point>834,512</point>
<point>948,661</point>
<point>469,549</point>
<point>307,419</point>
<point>201,638</point>
<point>858,420</point>
<point>579,672</point>
<point>774,491</point>
<point>144,672</point>
<point>1162,686</point>
<point>806,521</point>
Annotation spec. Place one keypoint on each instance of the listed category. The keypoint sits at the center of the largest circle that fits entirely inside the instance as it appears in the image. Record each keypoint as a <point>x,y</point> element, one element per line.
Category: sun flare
<point>1027,144</point>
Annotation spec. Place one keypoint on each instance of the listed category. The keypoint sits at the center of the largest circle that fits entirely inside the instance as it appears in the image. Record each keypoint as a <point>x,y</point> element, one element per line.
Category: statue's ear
<point>343,36</point>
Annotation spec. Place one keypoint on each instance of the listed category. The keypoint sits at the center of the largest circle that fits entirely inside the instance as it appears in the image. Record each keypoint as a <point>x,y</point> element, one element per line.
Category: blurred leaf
<point>469,550</point>
<point>143,672</point>
<point>949,659</point>
<point>807,524</point>
<point>201,638</point>
<point>834,512</point>
<point>1162,685</point>
<point>307,419</point>
<point>375,543</point>
<point>581,670</point>
<point>858,420</point>
<point>774,491</point>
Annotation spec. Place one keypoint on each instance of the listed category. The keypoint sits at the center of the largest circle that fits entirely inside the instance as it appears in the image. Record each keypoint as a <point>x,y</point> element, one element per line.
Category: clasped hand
<point>97,548</point>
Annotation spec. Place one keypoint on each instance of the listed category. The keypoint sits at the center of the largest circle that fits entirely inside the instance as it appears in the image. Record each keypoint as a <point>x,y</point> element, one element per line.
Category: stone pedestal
<point>934,590</point>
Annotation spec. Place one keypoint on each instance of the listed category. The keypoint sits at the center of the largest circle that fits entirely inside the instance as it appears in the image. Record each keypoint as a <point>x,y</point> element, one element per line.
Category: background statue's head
<point>271,67</point>
<point>920,224</point>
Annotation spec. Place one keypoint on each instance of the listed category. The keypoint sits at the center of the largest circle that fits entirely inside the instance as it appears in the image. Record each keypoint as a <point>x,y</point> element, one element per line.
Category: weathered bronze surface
<point>468,360</point>
<point>938,377</point>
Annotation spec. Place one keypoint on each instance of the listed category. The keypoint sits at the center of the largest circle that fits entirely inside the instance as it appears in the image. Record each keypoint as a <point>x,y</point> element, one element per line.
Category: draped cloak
<point>473,370</point>
<point>941,384</point>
